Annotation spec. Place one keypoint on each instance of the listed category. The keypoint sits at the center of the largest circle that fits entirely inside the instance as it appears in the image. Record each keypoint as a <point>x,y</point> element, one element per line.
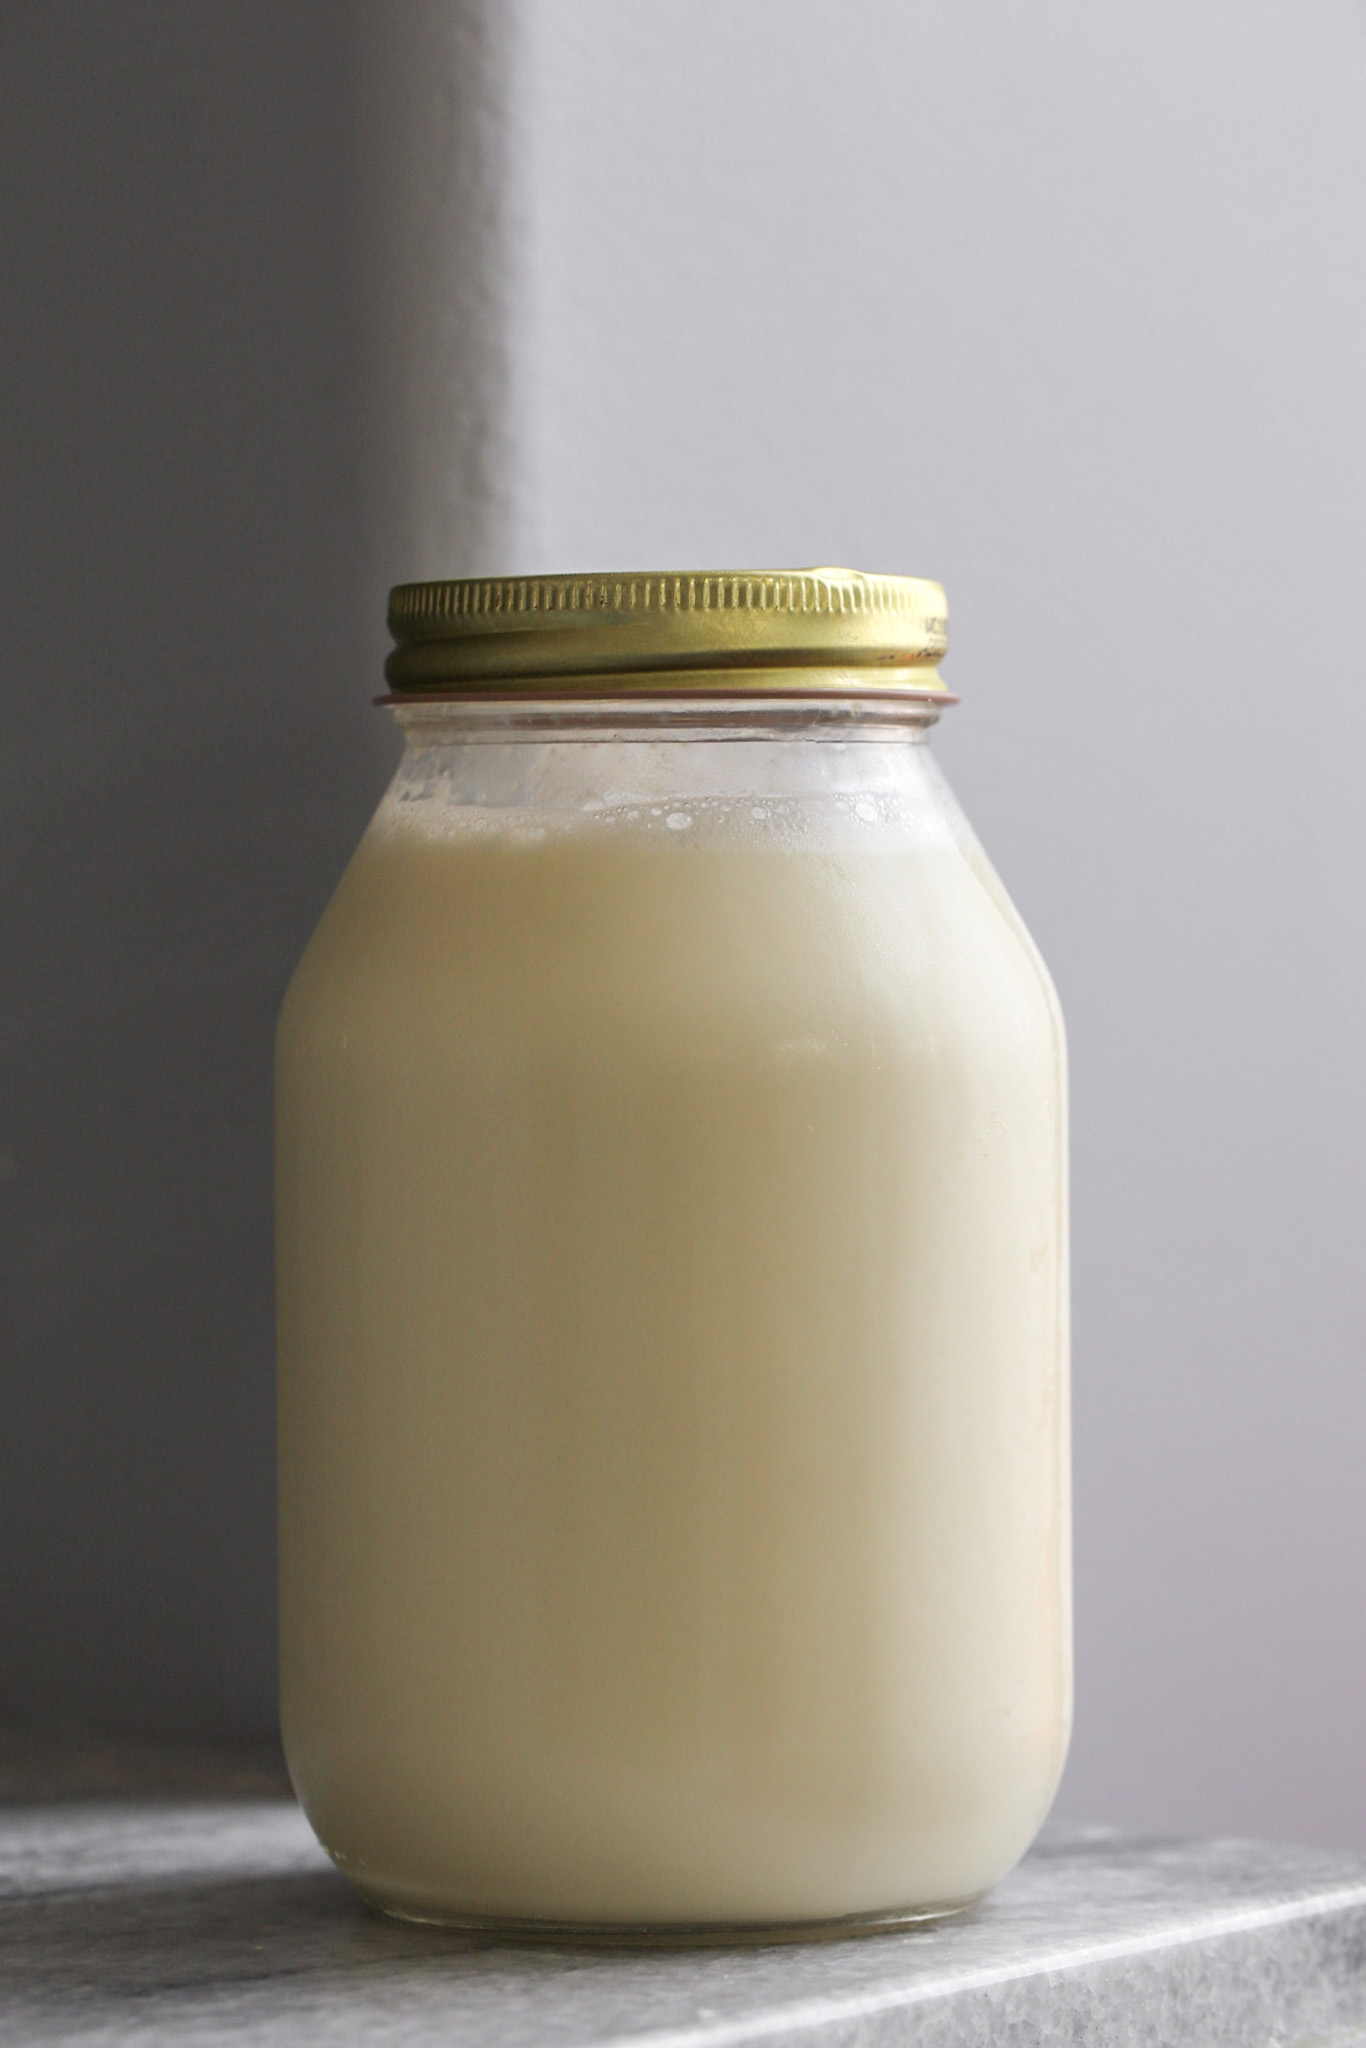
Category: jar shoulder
<point>496,933</point>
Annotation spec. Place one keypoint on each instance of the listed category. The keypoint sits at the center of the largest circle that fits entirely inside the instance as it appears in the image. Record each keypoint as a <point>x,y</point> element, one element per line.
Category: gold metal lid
<point>778,631</point>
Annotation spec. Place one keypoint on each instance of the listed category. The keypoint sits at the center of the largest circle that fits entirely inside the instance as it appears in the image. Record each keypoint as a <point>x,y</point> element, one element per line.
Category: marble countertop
<point>197,1920</point>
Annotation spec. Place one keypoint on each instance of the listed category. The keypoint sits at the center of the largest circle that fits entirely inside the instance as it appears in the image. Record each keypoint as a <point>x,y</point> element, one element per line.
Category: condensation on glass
<point>672,1282</point>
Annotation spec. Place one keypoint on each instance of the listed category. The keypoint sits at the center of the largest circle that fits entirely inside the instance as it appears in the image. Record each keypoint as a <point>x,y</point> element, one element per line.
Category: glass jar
<point>672,1283</point>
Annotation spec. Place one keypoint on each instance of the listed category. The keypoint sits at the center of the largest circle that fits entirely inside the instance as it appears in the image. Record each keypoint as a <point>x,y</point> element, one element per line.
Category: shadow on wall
<point>190,755</point>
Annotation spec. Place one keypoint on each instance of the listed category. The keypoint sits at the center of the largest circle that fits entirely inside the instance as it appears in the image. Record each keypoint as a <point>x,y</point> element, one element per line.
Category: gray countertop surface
<point>199,1919</point>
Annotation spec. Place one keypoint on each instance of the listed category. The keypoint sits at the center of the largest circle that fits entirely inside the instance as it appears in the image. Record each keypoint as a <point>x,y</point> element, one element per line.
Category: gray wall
<point>1063,304</point>
<point>188,753</point>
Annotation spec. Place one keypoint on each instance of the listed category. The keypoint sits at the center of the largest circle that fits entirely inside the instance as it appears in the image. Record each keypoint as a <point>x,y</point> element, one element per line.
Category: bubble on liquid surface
<point>678,821</point>
<point>866,809</point>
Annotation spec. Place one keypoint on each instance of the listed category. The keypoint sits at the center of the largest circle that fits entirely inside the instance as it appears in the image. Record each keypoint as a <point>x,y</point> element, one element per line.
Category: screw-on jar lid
<point>787,631</point>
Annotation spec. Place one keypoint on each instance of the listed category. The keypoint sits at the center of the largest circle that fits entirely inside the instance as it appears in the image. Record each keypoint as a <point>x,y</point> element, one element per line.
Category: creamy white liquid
<point>673,1486</point>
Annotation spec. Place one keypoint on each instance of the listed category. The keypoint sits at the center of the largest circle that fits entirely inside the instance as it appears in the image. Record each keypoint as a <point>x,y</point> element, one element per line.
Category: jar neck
<point>699,759</point>
<point>503,721</point>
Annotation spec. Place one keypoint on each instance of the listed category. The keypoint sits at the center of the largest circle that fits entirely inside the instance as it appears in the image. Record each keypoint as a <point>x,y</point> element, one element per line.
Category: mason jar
<point>672,1204</point>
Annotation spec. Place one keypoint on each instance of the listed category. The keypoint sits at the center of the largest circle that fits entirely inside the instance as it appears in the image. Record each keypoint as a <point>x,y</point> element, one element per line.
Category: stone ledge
<point>219,1921</point>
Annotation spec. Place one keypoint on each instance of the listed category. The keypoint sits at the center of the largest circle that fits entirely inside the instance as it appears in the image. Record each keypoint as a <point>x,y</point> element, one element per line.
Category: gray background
<point>1063,304</point>
<point>188,756</point>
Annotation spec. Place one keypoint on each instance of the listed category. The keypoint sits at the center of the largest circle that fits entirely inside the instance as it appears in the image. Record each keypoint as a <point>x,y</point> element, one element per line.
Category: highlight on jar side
<point>672,1246</point>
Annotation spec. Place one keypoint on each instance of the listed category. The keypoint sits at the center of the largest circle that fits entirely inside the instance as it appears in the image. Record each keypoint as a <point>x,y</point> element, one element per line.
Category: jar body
<point>673,1334</point>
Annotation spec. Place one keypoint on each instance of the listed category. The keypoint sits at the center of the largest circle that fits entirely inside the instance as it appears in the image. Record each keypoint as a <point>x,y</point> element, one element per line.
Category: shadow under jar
<point>672,1218</point>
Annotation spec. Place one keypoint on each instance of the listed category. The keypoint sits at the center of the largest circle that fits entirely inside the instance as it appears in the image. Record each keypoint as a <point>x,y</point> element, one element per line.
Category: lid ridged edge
<point>415,608</point>
<point>486,630</point>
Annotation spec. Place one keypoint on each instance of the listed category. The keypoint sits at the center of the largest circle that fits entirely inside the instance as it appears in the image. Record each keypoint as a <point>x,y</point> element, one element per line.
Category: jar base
<point>625,1934</point>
